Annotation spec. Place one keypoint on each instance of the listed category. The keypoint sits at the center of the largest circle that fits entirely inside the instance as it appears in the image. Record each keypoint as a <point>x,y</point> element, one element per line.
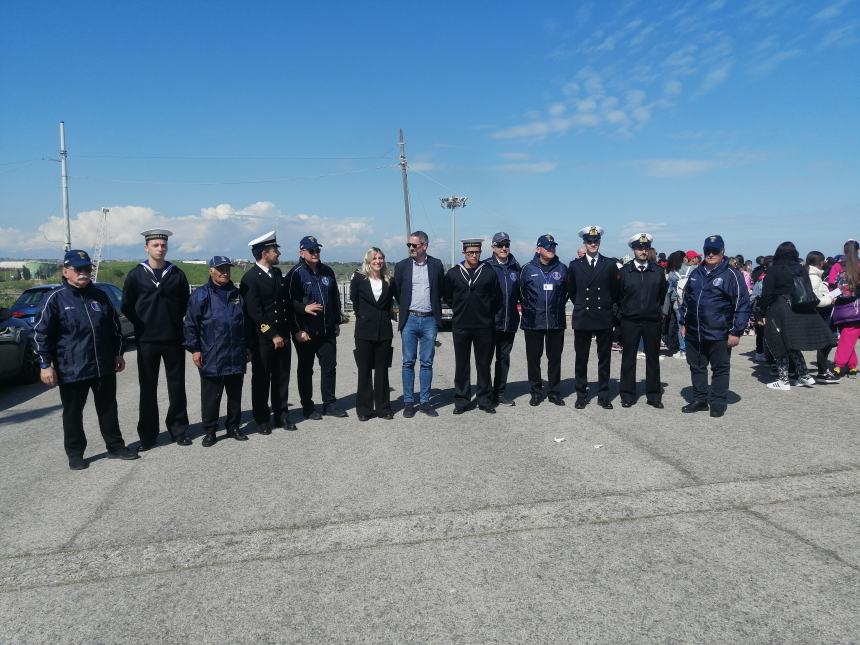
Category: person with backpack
<point>792,325</point>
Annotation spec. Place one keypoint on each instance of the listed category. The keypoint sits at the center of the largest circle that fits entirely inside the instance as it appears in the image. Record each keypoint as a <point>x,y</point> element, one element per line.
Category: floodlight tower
<point>453,203</point>
<point>101,240</point>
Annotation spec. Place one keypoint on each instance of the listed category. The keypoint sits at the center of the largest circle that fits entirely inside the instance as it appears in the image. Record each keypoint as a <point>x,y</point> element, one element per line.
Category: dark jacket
<point>403,287</point>
<point>714,305</point>
<point>266,313</point>
<point>778,283</point>
<point>372,316</point>
<point>641,293</point>
<point>593,292</point>
<point>543,293</point>
<point>507,314</point>
<point>474,297</point>
<point>78,331</point>
<point>304,287</point>
<point>215,325</point>
<point>156,307</point>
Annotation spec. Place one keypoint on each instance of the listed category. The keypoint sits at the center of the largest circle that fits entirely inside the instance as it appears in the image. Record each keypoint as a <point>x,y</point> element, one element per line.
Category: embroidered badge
<point>324,280</point>
<point>513,276</point>
<point>264,328</point>
<point>718,282</point>
<point>95,306</point>
<point>555,275</point>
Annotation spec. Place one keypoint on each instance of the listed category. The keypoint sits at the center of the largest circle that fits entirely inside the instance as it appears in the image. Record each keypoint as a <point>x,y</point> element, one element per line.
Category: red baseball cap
<point>692,254</point>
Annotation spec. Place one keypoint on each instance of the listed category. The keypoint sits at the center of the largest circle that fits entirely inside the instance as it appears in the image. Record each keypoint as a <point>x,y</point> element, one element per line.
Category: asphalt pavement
<point>533,525</point>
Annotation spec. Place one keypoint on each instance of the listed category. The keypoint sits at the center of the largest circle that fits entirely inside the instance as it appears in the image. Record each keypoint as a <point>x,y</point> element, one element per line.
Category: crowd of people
<point>695,306</point>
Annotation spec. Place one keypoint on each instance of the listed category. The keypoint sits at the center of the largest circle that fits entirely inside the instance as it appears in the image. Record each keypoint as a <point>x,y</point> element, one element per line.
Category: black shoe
<point>556,399</point>
<point>182,439</point>
<point>503,400</point>
<point>428,409</point>
<point>458,410</point>
<point>333,410</point>
<point>826,377</point>
<point>143,447</point>
<point>312,414</point>
<point>277,421</point>
<point>606,405</point>
<point>264,428</point>
<point>209,440</point>
<point>627,404</point>
<point>237,434</point>
<point>78,463</point>
<point>489,409</point>
<point>656,404</point>
<point>695,406</point>
<point>388,415</point>
<point>580,403</point>
<point>123,453</point>
<point>536,400</point>
<point>717,411</point>
<point>409,411</point>
<point>289,425</point>
<point>363,417</point>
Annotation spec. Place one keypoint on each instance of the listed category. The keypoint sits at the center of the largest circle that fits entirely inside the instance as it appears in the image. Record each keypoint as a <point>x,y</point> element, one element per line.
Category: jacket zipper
<point>93,330</point>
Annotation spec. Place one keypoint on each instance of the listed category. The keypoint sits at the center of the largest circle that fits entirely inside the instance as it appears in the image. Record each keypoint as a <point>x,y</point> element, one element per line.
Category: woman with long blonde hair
<point>371,295</point>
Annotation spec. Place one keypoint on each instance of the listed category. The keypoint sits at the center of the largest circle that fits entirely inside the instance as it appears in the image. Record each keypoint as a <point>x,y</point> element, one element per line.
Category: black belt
<point>420,314</point>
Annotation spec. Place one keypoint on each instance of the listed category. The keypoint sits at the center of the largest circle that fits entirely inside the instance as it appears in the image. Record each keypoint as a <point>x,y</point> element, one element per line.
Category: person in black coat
<point>507,269</point>
<point>371,294</point>
<point>642,292</point>
<point>593,289</point>
<point>155,297</point>
<point>268,329</point>
<point>472,288</point>
<point>418,290</point>
<point>788,332</point>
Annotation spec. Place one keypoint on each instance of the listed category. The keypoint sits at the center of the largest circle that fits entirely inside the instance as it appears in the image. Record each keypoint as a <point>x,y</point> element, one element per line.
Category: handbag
<point>846,312</point>
<point>802,297</point>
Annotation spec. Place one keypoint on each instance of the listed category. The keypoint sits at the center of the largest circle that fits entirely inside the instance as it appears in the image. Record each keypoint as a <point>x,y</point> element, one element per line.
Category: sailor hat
<point>591,233</point>
<point>156,234</point>
<point>640,241</point>
<point>268,239</point>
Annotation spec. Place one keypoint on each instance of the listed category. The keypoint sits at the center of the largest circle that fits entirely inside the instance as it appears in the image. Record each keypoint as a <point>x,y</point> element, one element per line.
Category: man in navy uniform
<point>593,289</point>
<point>473,291</point>
<point>79,343</point>
<point>507,271</point>
<point>268,335</point>
<point>154,299</point>
<point>714,313</point>
<point>642,290</point>
<point>313,299</point>
<point>543,292</point>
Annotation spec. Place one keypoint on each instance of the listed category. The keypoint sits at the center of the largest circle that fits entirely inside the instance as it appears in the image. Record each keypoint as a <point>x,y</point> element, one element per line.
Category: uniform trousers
<point>73,397</point>
<point>464,340</point>
<point>372,358</point>
<point>149,357</point>
<point>504,343</point>
<point>582,347</point>
<point>270,375</point>
<point>718,354</point>
<point>536,341</point>
<point>211,389</point>
<point>325,349</point>
<point>631,333</point>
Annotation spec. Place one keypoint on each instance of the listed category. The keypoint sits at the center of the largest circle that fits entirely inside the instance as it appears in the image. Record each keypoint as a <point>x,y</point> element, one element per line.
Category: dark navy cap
<point>220,261</point>
<point>77,259</point>
<point>500,237</point>
<point>309,242</point>
<point>547,241</point>
<point>713,242</point>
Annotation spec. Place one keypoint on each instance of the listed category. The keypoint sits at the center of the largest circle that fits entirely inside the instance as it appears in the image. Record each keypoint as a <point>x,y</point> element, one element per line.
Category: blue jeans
<point>423,329</point>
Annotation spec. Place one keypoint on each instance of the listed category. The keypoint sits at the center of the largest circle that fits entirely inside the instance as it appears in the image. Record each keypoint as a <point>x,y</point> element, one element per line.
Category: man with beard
<point>507,315</point>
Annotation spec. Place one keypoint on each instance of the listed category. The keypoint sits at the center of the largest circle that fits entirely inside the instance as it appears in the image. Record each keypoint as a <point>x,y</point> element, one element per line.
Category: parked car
<point>29,304</point>
<point>19,362</point>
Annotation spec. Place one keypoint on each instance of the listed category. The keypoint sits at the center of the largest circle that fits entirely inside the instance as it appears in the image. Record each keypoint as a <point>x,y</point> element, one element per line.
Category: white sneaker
<point>807,380</point>
<point>781,385</point>
<point>640,354</point>
<point>760,358</point>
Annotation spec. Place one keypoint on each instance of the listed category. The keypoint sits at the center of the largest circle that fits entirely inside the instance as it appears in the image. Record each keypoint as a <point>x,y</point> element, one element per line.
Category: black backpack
<point>802,298</point>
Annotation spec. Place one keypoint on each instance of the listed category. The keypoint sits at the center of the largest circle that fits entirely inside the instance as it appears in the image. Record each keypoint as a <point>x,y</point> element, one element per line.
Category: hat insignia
<point>713,238</point>
<point>593,231</point>
<point>82,254</point>
<point>643,238</point>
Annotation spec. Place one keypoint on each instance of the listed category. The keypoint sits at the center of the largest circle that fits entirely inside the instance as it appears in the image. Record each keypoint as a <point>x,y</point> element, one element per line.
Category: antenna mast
<point>405,186</point>
<point>64,175</point>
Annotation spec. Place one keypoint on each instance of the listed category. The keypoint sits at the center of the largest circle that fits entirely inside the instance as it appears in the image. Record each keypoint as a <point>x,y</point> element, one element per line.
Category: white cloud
<point>422,166</point>
<point>533,168</point>
<point>672,88</point>
<point>514,156</point>
<point>830,12</point>
<point>714,78</point>
<point>673,168</point>
<point>557,109</point>
<point>840,37</point>
<point>772,62</point>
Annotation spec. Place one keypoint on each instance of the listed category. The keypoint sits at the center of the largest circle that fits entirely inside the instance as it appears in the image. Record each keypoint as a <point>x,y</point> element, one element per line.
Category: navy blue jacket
<point>543,292</point>
<point>78,331</point>
<point>304,287</point>
<point>215,326</point>
<point>507,315</point>
<point>714,305</point>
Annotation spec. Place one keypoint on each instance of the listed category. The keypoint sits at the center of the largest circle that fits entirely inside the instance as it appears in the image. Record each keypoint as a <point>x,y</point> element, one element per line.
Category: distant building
<point>27,269</point>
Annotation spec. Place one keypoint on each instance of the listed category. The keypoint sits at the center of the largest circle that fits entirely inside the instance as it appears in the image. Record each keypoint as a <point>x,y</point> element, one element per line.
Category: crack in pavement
<point>103,563</point>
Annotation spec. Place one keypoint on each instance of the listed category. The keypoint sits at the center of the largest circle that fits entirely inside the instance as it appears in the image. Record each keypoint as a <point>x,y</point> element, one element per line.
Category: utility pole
<point>101,240</point>
<point>64,175</point>
<point>405,186</point>
<point>452,203</point>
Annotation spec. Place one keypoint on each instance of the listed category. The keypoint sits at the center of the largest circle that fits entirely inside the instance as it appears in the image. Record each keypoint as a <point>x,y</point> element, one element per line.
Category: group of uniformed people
<point>224,326</point>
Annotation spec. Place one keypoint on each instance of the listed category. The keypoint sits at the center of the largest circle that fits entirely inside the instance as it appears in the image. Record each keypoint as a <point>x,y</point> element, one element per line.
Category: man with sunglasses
<point>714,312</point>
<point>418,284</point>
<point>593,288</point>
<point>79,343</point>
<point>507,271</point>
<point>314,297</point>
<point>473,291</point>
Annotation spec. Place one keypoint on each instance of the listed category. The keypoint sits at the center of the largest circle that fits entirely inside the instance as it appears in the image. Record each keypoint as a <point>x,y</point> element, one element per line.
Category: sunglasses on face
<point>591,241</point>
<point>83,269</point>
<point>503,245</point>
<point>413,246</point>
<point>313,251</point>
<point>712,252</point>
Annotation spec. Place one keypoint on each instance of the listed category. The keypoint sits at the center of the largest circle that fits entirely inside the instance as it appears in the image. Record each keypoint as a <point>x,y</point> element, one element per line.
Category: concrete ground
<point>643,525</point>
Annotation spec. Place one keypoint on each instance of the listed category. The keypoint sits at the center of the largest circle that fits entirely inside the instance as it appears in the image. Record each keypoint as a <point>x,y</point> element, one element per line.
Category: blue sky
<point>223,120</point>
